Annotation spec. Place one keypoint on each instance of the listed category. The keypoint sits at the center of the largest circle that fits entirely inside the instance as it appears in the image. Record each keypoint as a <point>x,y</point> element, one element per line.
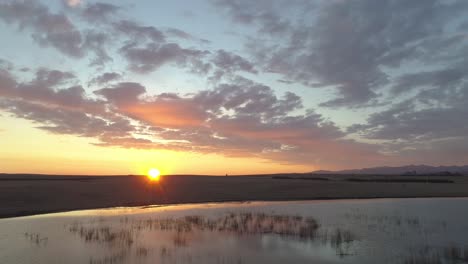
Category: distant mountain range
<point>403,170</point>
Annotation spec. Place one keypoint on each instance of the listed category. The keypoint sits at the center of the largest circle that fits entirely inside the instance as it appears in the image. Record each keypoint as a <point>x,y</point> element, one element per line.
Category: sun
<point>154,174</point>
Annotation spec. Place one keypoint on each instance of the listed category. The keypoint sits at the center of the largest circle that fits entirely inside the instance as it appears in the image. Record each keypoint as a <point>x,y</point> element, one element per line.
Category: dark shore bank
<point>22,195</point>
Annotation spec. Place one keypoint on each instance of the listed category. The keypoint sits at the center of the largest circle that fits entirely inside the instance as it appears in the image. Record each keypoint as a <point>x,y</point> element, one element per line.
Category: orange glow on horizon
<point>46,153</point>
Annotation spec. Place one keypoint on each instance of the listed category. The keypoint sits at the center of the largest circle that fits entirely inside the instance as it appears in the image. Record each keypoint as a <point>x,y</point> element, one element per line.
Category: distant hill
<point>404,170</point>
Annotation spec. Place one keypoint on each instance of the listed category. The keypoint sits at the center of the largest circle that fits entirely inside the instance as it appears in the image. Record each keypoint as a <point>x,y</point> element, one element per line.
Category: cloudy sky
<point>232,86</point>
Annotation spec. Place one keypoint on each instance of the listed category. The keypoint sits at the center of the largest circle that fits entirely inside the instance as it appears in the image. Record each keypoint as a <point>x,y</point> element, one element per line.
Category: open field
<point>35,194</point>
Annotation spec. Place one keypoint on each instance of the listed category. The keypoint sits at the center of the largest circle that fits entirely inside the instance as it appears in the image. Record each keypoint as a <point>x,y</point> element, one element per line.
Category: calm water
<point>342,231</point>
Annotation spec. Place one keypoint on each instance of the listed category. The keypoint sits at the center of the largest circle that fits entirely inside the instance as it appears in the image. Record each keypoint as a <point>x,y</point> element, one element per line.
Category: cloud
<point>138,32</point>
<point>242,118</point>
<point>50,88</point>
<point>263,14</point>
<point>405,61</point>
<point>50,101</point>
<point>105,78</point>
<point>442,79</point>
<point>430,115</point>
<point>122,93</point>
<point>229,62</point>
<point>146,49</point>
<point>245,97</point>
<point>174,32</point>
<point>48,29</point>
<point>236,118</point>
<point>104,35</point>
<point>167,113</point>
<point>351,46</point>
<point>66,121</point>
<point>98,12</point>
<point>427,128</point>
<point>57,30</point>
<point>152,56</point>
<point>73,3</point>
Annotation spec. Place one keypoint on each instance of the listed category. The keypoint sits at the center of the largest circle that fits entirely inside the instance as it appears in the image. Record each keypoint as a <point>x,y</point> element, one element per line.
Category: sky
<point>231,86</point>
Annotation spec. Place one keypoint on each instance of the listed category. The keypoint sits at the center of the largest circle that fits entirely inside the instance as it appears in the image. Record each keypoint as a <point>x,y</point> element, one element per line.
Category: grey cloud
<point>285,81</point>
<point>105,78</point>
<point>441,151</point>
<point>264,14</point>
<point>185,35</point>
<point>50,102</point>
<point>179,33</point>
<point>138,32</point>
<point>51,88</point>
<point>48,29</point>
<point>245,97</point>
<point>124,92</point>
<point>439,78</point>
<point>96,42</point>
<point>145,48</point>
<point>152,56</point>
<point>95,12</point>
<point>350,45</point>
<point>423,124</point>
<point>431,115</point>
<point>46,77</point>
<point>57,30</point>
<point>58,120</point>
<point>7,83</point>
<point>230,62</point>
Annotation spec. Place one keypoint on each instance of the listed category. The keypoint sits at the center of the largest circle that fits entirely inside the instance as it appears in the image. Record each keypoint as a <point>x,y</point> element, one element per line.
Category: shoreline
<point>144,206</point>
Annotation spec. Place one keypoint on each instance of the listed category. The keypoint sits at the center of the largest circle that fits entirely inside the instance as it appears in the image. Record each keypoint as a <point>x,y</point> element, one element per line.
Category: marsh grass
<point>37,239</point>
<point>113,259</point>
<point>142,252</point>
<point>238,224</point>
<point>456,254</point>
<point>125,234</point>
<point>432,255</point>
<point>103,234</point>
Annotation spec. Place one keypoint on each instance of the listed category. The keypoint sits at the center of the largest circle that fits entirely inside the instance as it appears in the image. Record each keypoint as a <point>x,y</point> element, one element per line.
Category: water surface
<point>336,231</point>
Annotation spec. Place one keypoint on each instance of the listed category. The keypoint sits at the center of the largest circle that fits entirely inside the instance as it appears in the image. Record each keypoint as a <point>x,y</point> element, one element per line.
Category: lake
<point>419,230</point>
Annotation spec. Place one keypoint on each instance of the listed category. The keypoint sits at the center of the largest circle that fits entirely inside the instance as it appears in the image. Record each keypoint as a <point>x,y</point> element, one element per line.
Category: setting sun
<point>154,174</point>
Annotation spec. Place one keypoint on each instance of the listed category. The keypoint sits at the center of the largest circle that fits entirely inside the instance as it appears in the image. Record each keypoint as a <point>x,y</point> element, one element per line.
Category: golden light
<point>154,174</point>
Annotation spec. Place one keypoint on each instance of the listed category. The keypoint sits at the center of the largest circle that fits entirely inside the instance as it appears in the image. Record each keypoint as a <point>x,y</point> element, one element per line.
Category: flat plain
<point>22,195</point>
